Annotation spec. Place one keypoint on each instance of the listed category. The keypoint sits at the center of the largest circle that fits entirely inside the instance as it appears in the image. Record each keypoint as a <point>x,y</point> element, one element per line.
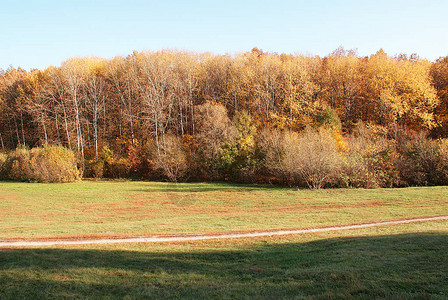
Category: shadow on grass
<point>398,266</point>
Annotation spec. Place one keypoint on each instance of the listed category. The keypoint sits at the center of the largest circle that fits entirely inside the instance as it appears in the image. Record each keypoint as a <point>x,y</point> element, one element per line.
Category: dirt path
<point>182,238</point>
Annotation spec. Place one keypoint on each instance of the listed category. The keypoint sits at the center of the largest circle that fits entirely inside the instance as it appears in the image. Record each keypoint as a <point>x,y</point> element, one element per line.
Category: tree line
<point>151,114</point>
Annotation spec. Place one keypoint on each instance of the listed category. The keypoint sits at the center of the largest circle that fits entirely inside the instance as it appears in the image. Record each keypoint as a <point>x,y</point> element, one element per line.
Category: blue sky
<point>36,34</point>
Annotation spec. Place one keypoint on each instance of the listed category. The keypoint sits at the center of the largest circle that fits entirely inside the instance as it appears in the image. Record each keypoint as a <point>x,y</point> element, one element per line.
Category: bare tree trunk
<point>66,126</point>
<point>181,121</point>
<point>45,131</point>
<point>79,136</point>
<point>11,132</point>
<point>132,130</point>
<point>17,132</point>
<point>95,131</point>
<point>23,130</point>
<point>58,134</point>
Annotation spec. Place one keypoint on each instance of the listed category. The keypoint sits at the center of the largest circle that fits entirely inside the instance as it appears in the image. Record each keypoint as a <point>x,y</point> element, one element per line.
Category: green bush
<point>238,158</point>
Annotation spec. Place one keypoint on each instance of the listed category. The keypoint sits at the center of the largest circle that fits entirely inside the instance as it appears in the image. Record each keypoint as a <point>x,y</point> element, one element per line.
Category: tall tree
<point>439,73</point>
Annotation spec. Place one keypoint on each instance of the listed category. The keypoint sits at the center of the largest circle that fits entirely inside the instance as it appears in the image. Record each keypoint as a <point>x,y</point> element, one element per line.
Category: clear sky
<point>36,34</point>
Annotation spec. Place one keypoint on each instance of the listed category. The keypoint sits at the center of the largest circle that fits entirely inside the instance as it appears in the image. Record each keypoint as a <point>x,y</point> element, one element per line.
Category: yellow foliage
<point>340,141</point>
<point>401,91</point>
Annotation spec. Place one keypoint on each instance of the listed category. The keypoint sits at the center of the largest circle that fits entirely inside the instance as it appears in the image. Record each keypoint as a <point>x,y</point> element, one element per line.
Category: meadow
<point>398,262</point>
<point>402,261</point>
<point>123,208</point>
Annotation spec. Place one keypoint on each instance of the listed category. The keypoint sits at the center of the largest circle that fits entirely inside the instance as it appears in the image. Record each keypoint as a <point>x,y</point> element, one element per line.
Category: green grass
<point>391,262</point>
<point>120,208</point>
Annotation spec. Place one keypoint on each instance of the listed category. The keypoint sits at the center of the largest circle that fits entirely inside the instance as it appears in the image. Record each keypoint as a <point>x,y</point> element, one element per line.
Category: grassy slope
<point>400,262</point>
<point>89,208</point>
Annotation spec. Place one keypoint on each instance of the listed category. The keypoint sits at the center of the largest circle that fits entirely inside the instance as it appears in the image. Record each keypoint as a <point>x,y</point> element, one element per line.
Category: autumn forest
<point>339,120</point>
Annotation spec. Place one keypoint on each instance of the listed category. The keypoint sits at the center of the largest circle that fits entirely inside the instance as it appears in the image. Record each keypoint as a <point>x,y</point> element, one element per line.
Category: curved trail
<point>182,238</point>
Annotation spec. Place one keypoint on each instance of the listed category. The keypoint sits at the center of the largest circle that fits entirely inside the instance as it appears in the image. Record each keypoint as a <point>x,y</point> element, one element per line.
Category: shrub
<point>443,148</point>
<point>329,119</point>
<point>3,172</point>
<point>370,159</point>
<point>109,166</point>
<point>272,151</point>
<point>118,168</point>
<point>170,157</point>
<point>215,131</point>
<point>94,169</point>
<point>238,158</point>
<point>422,161</point>
<point>135,161</point>
<point>310,158</point>
<point>49,164</point>
<point>317,159</point>
<point>58,164</point>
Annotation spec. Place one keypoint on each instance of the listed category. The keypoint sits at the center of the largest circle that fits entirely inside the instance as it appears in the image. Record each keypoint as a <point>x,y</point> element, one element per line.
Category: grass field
<point>399,262</point>
<point>121,208</point>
